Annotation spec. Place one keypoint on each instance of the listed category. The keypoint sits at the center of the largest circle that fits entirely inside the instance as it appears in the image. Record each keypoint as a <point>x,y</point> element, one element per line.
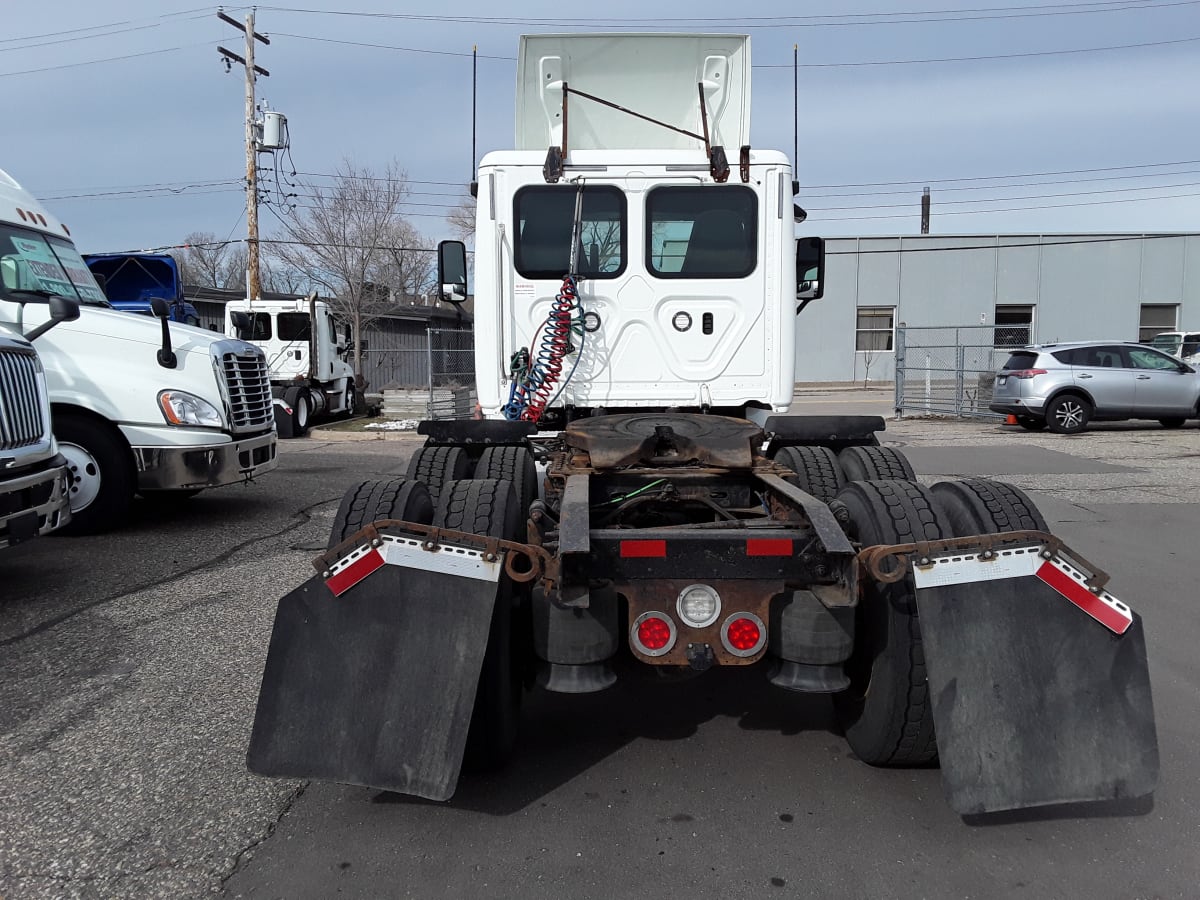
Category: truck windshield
<point>1167,343</point>
<point>701,232</point>
<point>31,261</point>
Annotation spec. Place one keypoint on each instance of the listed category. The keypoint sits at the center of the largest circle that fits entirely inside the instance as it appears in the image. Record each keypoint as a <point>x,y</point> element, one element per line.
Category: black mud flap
<point>374,686</point>
<point>1040,688</point>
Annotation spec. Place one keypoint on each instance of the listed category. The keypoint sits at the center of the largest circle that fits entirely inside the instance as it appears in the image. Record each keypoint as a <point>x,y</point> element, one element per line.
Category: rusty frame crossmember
<point>889,563</point>
<point>537,562</point>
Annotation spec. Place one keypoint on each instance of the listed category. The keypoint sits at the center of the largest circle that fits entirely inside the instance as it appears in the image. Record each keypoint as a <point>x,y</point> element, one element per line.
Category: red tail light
<point>743,634</point>
<point>1025,373</point>
<point>653,634</point>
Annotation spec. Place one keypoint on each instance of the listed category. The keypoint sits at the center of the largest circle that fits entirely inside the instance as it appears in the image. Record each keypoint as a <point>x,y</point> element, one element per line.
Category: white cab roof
<point>656,75</point>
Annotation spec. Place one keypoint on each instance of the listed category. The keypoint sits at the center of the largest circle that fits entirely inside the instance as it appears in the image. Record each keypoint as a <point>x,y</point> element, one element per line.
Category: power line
<point>994,56</point>
<point>971,212</point>
<point>808,65</point>
<point>1043,243</point>
<point>809,21</point>
<point>79,31</point>
<point>1024,197</point>
<point>92,62</point>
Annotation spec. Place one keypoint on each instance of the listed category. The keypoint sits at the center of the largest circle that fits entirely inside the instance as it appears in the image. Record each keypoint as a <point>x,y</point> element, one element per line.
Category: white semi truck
<point>306,357</point>
<point>34,478</point>
<point>139,406</point>
<point>637,497</point>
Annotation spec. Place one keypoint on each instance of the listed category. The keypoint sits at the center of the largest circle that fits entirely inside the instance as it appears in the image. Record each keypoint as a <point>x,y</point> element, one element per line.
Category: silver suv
<point>1065,386</point>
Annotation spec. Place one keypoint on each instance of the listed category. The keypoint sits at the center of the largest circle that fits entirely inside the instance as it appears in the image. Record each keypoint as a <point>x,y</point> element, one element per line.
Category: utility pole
<point>925,212</point>
<point>253,280</point>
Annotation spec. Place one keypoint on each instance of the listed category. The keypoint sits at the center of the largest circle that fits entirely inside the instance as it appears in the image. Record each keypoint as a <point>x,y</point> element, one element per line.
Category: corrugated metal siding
<point>1082,286</point>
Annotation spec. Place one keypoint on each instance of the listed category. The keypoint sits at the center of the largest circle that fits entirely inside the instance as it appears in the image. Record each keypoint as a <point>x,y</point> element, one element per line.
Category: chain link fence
<point>439,365</point>
<point>950,370</point>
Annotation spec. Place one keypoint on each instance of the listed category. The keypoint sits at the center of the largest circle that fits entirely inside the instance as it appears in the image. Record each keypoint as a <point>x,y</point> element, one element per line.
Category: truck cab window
<point>260,326</point>
<point>293,327</point>
<point>701,232</point>
<point>545,217</point>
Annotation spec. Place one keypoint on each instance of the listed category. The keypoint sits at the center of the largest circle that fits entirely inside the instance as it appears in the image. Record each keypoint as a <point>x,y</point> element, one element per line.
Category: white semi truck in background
<point>139,406</point>
<point>306,357</point>
<point>638,500</point>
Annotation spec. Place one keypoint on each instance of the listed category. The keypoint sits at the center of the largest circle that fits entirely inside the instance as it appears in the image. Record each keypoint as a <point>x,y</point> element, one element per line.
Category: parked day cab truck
<point>139,405</point>
<point>637,501</point>
<point>306,357</point>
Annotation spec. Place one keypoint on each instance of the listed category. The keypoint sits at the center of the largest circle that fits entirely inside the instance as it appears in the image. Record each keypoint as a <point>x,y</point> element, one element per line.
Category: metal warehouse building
<point>1059,287</point>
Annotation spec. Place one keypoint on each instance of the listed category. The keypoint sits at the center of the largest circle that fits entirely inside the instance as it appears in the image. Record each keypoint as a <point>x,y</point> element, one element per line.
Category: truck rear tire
<point>370,501</point>
<point>875,464</point>
<point>300,401</point>
<point>489,506</point>
<point>982,506</point>
<point>886,713</point>
<point>513,464</point>
<point>816,468</point>
<point>102,476</point>
<point>435,465</point>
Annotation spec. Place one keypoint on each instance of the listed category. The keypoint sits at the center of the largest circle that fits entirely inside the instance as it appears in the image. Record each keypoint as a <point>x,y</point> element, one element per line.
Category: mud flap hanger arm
<point>889,563</point>
<point>538,561</point>
<point>718,164</point>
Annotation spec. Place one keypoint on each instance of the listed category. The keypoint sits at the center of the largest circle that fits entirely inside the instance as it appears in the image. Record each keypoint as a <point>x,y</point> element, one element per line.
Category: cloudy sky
<point>1020,115</point>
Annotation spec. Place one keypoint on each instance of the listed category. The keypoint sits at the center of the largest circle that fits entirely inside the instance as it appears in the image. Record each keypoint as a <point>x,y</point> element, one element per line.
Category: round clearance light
<point>698,605</point>
<point>653,634</point>
<point>681,321</point>
<point>743,634</point>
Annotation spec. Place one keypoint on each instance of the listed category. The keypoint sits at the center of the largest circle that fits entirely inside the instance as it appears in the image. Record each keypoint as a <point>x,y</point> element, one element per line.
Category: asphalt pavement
<point>129,667</point>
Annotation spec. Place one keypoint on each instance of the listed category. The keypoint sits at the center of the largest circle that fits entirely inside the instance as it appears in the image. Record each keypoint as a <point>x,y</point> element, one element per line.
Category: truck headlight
<point>182,408</point>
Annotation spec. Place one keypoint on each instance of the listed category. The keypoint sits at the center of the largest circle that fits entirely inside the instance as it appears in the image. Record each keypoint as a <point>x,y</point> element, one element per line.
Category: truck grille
<point>249,388</point>
<point>22,413</point>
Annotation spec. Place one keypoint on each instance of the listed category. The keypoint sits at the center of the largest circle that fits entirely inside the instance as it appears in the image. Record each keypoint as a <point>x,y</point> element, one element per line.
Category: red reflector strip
<point>355,572</point>
<point>1098,607</point>
<point>768,546</point>
<point>643,549</point>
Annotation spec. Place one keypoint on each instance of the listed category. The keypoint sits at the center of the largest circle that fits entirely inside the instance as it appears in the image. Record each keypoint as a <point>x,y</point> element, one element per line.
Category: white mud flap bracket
<point>1037,675</point>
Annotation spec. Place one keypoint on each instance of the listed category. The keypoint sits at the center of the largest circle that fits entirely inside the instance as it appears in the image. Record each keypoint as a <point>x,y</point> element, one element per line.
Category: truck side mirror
<point>62,309</point>
<point>452,271</point>
<point>810,269</point>
<point>241,324</point>
<point>162,312</point>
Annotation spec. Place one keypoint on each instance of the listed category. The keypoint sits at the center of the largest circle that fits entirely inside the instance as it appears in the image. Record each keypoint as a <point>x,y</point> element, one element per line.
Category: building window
<point>1014,326</point>
<point>875,328</point>
<point>1157,318</point>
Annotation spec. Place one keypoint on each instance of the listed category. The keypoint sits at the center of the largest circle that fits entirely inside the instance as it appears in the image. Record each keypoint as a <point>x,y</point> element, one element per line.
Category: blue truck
<point>132,280</point>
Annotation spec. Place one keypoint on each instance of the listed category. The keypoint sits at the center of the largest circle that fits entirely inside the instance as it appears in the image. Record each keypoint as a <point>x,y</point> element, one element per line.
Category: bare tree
<point>461,219</point>
<point>343,241</point>
<point>408,274</point>
<point>208,261</point>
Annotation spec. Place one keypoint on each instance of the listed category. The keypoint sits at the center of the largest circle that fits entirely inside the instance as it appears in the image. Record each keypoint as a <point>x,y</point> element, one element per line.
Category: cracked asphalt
<point>129,668</point>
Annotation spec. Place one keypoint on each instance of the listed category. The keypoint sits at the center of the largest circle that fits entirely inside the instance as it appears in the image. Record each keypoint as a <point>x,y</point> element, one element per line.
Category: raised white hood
<point>640,72</point>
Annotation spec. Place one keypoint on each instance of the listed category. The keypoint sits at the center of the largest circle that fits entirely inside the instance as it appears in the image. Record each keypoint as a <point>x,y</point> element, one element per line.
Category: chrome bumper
<point>180,468</point>
<point>34,504</point>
